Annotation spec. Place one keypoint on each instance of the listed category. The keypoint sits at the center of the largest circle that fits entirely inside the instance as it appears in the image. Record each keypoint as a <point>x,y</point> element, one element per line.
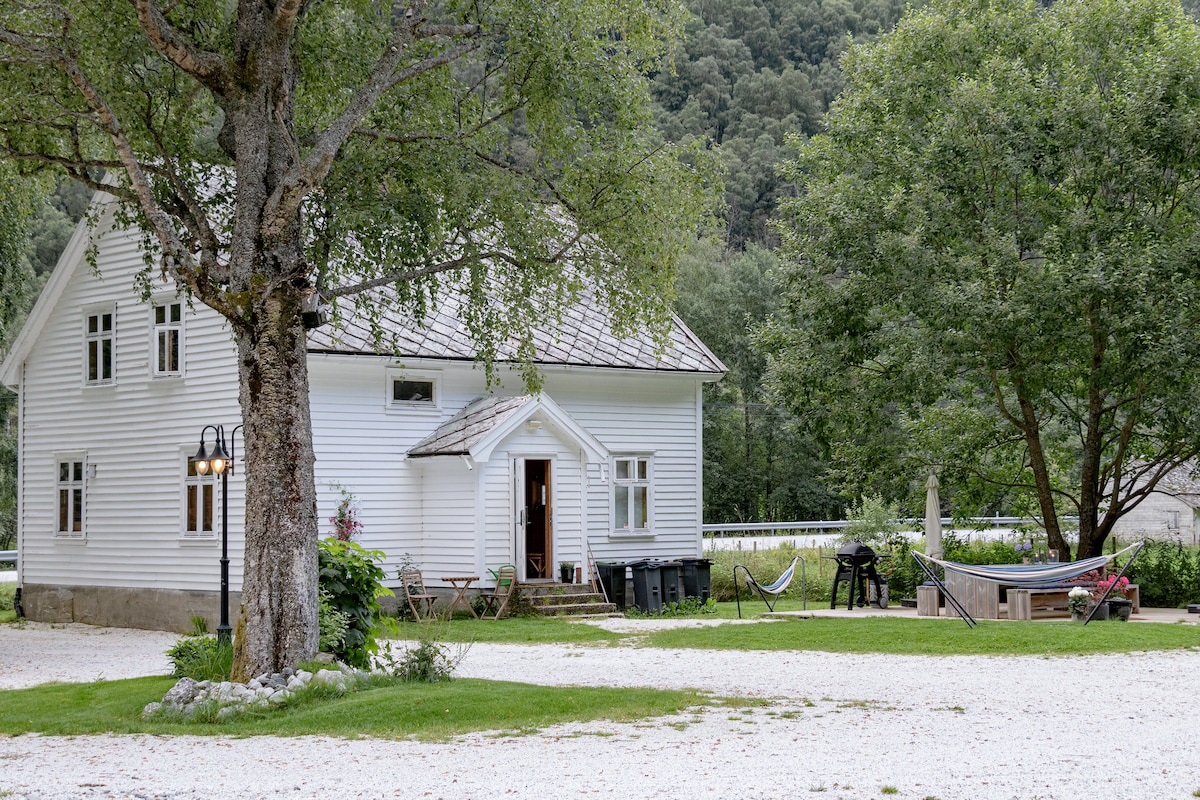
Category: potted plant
<point>1079,603</point>
<point>1119,605</point>
<point>566,571</point>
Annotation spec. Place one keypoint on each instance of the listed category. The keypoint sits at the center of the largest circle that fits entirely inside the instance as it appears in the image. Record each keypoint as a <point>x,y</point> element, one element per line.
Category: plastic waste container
<point>669,581</point>
<point>612,577</point>
<point>647,586</point>
<point>697,578</point>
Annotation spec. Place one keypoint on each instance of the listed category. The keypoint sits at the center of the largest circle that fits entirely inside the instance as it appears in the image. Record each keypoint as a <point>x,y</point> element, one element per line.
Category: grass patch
<point>511,630</point>
<point>421,711</point>
<point>7,592</point>
<point>932,637</point>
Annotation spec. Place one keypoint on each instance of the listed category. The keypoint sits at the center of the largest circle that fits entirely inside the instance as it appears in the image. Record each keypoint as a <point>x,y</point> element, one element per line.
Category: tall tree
<point>277,148</point>
<point>16,290</point>
<point>994,258</point>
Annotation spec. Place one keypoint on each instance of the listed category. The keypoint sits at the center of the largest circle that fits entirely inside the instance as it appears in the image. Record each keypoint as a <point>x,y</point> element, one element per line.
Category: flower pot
<point>1101,612</point>
<point>1078,616</point>
<point>1120,608</point>
<point>566,573</point>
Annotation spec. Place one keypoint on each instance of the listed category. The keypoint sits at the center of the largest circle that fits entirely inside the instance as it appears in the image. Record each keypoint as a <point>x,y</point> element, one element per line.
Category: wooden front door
<point>538,518</point>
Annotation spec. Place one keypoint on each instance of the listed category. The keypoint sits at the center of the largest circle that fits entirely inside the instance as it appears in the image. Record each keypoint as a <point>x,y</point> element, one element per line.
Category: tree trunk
<point>1031,428</point>
<point>279,587</point>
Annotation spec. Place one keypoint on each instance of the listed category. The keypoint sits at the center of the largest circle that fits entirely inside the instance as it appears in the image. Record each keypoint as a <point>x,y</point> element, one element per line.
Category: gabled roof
<point>477,429</point>
<point>583,338</point>
<point>1183,483</point>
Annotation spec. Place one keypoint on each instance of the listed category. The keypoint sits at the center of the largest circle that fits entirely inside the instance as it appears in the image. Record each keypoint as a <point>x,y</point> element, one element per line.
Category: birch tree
<point>276,148</point>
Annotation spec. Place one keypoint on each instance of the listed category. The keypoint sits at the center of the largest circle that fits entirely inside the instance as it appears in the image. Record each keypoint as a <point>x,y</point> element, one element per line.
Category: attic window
<point>407,391</point>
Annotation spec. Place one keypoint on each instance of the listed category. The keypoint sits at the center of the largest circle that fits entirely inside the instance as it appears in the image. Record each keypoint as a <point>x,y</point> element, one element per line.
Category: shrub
<point>429,661</point>
<point>333,625</point>
<point>201,658</point>
<point>1167,574</point>
<point>351,580</point>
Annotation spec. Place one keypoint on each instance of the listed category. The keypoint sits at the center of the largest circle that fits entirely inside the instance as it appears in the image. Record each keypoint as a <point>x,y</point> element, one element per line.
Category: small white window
<point>98,338</point>
<point>168,339</point>
<point>1172,520</point>
<point>407,390</point>
<point>631,495</point>
<point>199,503</point>
<point>70,485</point>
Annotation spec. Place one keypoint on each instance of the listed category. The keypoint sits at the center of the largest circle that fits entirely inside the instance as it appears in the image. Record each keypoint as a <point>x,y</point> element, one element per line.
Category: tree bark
<point>279,585</point>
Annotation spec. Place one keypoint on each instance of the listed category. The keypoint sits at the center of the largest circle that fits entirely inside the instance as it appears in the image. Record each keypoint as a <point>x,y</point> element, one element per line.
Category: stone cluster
<point>266,691</point>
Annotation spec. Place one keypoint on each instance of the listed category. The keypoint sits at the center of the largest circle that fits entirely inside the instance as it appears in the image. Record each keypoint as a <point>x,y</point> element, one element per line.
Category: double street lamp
<point>220,462</point>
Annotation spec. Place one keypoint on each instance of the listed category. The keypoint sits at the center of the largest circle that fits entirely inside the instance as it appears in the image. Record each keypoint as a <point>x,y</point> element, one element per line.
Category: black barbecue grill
<point>855,566</point>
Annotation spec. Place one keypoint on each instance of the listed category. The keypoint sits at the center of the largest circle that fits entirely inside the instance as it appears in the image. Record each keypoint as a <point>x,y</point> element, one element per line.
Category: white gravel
<point>838,726</point>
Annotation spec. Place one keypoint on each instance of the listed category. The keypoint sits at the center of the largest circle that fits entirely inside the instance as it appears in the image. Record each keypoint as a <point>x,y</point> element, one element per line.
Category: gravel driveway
<point>839,726</point>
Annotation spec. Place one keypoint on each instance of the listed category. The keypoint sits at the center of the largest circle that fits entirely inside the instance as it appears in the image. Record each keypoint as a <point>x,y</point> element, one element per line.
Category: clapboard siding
<point>135,433</point>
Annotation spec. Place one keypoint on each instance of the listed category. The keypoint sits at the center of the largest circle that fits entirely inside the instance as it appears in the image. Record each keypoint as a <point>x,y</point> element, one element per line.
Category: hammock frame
<point>775,589</point>
<point>1029,576</point>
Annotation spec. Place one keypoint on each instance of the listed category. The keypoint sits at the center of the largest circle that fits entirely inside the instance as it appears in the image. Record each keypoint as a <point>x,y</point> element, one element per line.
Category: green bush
<point>1167,575</point>
<point>765,565</point>
<point>351,580</point>
<point>201,658</point>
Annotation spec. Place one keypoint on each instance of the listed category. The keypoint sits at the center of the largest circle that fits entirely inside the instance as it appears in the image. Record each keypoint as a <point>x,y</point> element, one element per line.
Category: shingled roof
<point>585,338</point>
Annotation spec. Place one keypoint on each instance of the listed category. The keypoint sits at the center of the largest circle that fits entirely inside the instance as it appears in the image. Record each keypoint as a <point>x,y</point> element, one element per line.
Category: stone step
<point>578,610</point>
<point>543,589</point>
<point>579,598</point>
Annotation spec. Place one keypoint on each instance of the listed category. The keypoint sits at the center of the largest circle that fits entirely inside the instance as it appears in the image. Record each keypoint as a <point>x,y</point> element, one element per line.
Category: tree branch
<point>204,66</point>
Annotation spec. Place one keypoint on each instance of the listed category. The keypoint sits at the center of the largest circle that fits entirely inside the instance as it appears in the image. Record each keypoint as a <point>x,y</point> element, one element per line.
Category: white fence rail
<point>829,525</point>
<point>8,555</point>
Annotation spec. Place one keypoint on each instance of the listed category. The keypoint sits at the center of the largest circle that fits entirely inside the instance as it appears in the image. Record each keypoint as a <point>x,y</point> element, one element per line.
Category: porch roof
<point>484,423</point>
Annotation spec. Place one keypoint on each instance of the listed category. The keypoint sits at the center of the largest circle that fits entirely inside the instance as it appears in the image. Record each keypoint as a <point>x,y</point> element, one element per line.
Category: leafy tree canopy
<point>271,150</point>
<point>993,258</point>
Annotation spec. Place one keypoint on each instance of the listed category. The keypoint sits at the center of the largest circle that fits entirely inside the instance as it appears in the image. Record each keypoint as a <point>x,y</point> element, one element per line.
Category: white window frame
<point>1172,520</point>
<point>93,344</point>
<point>161,335</point>
<point>393,375</point>
<point>203,489</point>
<point>635,478</point>
<point>70,495</point>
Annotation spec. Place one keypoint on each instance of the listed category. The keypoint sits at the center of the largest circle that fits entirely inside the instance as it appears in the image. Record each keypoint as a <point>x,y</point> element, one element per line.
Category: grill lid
<point>856,552</point>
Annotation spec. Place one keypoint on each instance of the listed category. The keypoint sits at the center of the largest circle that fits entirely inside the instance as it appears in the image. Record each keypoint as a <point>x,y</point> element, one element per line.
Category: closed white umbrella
<point>933,518</point>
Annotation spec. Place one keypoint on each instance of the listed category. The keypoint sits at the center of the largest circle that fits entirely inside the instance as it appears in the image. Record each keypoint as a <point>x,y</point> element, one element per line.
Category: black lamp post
<point>220,461</point>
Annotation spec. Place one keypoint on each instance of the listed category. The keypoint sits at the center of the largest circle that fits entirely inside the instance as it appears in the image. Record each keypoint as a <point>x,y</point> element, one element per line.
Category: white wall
<point>1151,518</point>
<point>136,433</point>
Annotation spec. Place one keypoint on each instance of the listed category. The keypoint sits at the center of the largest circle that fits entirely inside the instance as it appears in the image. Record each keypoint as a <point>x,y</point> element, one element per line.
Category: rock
<point>151,709</point>
<point>182,693</point>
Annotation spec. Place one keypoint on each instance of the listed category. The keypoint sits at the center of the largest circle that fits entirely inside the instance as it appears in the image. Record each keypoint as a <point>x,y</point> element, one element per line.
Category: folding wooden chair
<point>419,600</point>
<point>497,599</point>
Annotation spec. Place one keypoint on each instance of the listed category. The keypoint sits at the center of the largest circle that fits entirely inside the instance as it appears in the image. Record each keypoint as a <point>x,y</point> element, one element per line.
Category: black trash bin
<point>697,581</point>
<point>612,576</point>
<point>669,577</point>
<point>647,586</point>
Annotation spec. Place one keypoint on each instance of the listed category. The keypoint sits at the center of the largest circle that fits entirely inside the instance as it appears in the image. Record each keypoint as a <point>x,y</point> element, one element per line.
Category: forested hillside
<point>751,73</point>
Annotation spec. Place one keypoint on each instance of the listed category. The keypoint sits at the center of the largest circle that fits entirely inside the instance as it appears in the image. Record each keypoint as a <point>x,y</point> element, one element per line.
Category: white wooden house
<point>1167,513</point>
<point>115,528</point>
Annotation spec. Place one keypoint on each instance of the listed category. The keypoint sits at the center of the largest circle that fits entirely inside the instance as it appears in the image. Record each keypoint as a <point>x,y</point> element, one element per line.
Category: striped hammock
<point>1028,574</point>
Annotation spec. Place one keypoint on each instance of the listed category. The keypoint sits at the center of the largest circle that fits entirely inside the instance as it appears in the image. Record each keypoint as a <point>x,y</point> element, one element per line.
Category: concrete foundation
<point>123,607</point>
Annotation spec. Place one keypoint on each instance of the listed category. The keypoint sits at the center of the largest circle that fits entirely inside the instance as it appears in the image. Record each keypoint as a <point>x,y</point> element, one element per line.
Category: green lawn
<point>910,636</point>
<point>896,635</point>
<point>421,711</point>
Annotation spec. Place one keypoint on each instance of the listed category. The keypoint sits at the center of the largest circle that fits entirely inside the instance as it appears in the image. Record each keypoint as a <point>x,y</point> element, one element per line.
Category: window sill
<point>64,538</point>
<point>631,535</point>
<point>197,541</point>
